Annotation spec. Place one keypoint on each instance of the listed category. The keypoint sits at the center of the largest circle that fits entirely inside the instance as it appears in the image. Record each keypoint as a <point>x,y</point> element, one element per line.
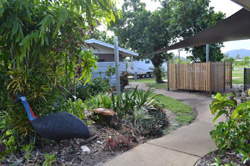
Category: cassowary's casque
<point>57,126</point>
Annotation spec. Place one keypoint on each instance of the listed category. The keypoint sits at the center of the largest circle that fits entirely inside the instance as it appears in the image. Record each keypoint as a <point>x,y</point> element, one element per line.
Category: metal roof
<point>101,43</point>
<point>235,27</point>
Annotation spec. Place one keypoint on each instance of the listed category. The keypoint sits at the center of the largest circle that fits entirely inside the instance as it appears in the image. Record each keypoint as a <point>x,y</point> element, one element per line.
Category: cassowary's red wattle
<point>57,126</point>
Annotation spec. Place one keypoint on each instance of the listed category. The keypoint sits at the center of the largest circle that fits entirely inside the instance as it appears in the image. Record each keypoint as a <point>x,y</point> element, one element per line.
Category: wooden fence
<point>210,77</point>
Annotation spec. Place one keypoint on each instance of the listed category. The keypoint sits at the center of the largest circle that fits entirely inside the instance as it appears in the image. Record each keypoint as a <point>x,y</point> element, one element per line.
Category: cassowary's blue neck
<point>27,108</point>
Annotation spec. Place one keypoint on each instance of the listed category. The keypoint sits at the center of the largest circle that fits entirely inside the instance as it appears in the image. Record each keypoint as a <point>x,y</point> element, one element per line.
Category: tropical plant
<point>49,159</point>
<point>40,48</point>
<point>74,106</point>
<point>92,88</point>
<point>234,132</point>
<point>100,101</point>
<point>139,107</point>
<point>117,142</point>
<point>218,162</point>
<point>150,122</point>
<point>27,149</point>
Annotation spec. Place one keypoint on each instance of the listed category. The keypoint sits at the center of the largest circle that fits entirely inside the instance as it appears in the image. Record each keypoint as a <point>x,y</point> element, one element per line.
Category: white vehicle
<point>142,68</point>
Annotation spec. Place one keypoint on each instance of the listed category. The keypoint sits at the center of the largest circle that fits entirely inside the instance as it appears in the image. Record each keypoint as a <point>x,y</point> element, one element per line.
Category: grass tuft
<point>184,113</point>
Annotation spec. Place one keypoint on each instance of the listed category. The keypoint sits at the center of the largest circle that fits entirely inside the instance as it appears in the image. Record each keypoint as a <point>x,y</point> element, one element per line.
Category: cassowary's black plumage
<point>60,126</point>
<point>57,126</point>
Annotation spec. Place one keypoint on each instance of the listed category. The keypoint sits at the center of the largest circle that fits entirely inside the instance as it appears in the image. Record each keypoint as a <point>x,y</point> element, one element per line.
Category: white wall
<point>103,67</point>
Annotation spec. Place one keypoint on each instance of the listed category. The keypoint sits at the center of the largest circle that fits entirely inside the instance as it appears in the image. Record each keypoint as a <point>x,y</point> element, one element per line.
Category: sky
<point>225,6</point>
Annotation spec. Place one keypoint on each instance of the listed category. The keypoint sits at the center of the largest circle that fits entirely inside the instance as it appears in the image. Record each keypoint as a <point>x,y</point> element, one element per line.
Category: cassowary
<point>57,126</point>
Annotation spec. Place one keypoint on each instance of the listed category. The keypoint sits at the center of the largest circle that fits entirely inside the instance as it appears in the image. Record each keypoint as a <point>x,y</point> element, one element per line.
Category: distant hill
<point>241,52</point>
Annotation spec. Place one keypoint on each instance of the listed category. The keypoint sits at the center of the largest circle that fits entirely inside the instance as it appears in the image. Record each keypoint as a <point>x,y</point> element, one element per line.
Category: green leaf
<point>218,160</point>
<point>102,5</point>
<point>221,112</point>
<point>15,26</point>
<point>88,12</point>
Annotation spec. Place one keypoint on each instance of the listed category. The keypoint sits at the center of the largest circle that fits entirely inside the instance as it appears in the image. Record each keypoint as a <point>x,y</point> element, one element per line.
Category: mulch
<point>227,157</point>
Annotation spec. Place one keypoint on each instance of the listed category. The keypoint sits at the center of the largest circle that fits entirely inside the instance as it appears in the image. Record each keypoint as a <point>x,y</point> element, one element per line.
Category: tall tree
<point>227,58</point>
<point>246,60</point>
<point>238,56</point>
<point>100,35</point>
<point>189,18</point>
<point>144,32</point>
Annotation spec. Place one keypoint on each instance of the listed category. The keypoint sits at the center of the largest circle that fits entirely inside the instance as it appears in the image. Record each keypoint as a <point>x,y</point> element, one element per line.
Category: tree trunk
<point>157,62</point>
<point>158,74</point>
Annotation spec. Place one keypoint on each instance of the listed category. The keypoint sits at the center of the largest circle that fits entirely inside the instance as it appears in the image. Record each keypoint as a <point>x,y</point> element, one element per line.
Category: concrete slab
<point>150,155</point>
<point>192,139</point>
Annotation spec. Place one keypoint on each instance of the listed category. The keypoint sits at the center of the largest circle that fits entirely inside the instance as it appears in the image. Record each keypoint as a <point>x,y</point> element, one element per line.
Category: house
<point>105,53</point>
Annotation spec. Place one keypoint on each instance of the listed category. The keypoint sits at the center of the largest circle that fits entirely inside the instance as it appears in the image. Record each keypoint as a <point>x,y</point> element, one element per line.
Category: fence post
<point>176,77</point>
<point>244,79</point>
<point>231,75</point>
<point>179,70</point>
<point>224,76</point>
<point>168,75</point>
<point>210,75</point>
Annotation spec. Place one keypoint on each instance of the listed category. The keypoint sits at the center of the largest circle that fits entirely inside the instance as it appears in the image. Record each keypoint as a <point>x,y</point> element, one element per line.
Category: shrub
<point>94,87</point>
<point>117,142</point>
<point>126,103</point>
<point>101,101</point>
<point>234,132</point>
<point>131,101</point>
<point>149,122</point>
<point>139,107</point>
<point>74,106</point>
<point>49,159</point>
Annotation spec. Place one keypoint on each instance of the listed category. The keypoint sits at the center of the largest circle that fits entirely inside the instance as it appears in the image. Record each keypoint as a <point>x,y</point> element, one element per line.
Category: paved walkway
<point>182,147</point>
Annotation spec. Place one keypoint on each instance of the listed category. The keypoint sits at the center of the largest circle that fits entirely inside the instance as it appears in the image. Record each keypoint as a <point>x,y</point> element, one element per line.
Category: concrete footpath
<point>182,147</point>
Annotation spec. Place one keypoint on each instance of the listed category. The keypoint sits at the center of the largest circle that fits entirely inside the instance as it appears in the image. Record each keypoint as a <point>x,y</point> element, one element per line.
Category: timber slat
<point>210,77</point>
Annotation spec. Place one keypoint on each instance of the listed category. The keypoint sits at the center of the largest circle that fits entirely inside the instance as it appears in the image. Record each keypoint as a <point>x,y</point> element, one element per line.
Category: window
<point>101,60</point>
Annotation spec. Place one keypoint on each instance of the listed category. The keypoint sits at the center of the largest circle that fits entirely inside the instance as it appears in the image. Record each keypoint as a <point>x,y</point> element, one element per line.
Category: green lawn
<point>143,80</point>
<point>238,73</point>
<point>184,112</point>
<point>238,81</point>
<point>151,82</point>
<point>158,86</point>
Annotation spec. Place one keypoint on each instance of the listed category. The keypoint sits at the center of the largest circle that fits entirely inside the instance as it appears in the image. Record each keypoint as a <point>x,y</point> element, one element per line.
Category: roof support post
<point>207,52</point>
<point>117,73</point>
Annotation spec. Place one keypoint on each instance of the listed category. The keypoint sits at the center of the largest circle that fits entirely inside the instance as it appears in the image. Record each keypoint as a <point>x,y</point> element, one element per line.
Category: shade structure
<point>244,3</point>
<point>235,27</point>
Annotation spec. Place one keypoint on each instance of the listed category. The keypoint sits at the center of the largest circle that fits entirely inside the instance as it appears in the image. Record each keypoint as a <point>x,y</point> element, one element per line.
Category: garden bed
<point>139,116</point>
<point>228,157</point>
<point>105,145</point>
